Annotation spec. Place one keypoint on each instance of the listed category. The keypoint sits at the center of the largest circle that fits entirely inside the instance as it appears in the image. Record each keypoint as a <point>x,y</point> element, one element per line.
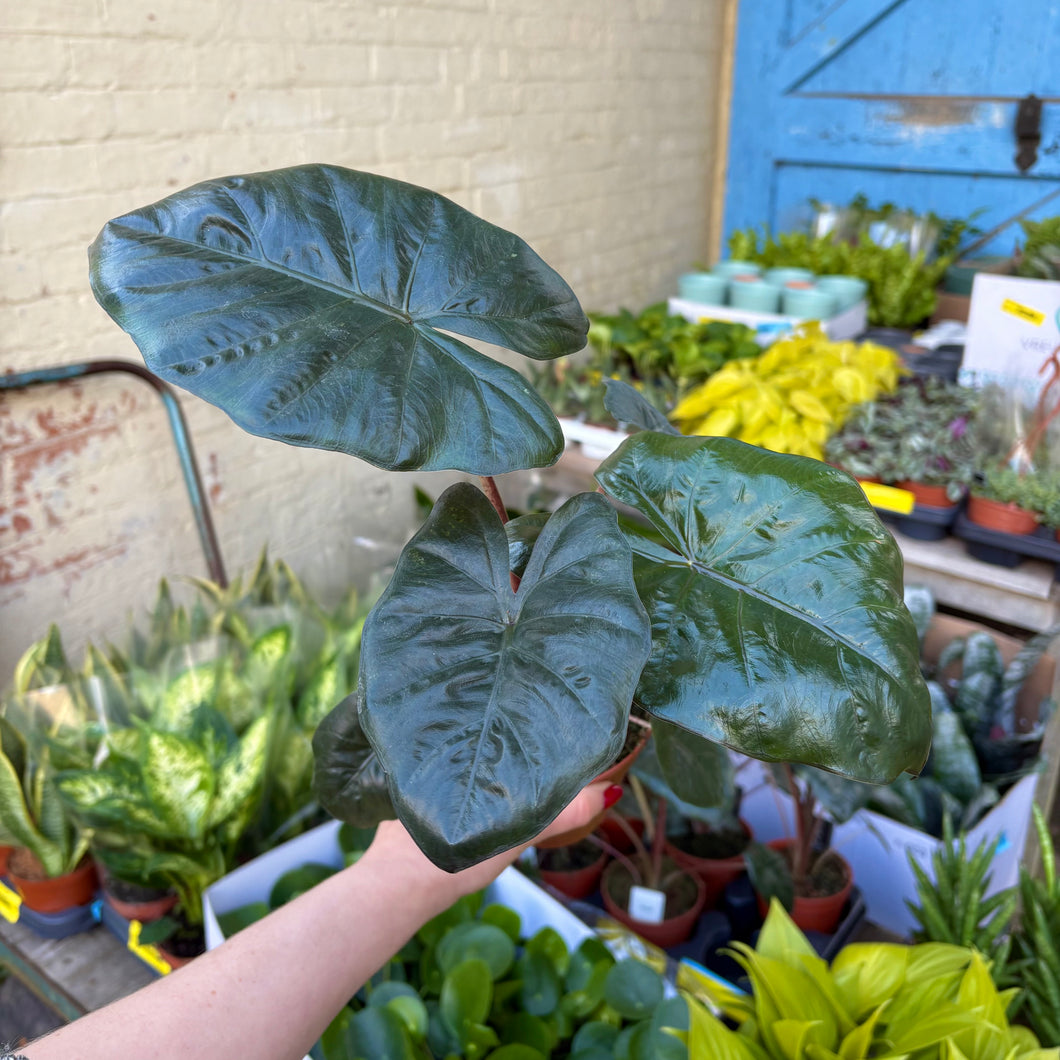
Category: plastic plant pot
<point>1008,518</point>
<point>55,894</point>
<point>819,913</point>
<point>671,931</point>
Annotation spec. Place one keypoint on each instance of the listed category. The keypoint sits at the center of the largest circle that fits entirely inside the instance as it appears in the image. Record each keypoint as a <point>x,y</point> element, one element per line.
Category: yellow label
<point>150,955</point>
<point>888,497</point>
<point>10,904</point>
<point>1024,312</point>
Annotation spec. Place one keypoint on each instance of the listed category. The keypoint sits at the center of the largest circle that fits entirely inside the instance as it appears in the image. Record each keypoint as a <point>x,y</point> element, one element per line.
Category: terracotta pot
<point>815,914</point>
<point>670,932</point>
<point>56,894</point>
<point>614,775</point>
<point>931,496</point>
<point>145,912</point>
<point>1007,518</point>
<point>576,883</point>
<point>5,853</point>
<point>716,873</point>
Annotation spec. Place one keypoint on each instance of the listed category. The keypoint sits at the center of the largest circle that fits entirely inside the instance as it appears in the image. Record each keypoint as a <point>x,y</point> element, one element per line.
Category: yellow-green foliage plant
<point>932,1001</point>
<point>794,396</point>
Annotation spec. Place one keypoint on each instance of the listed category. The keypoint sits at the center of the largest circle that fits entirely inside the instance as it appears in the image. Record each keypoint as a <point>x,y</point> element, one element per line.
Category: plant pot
<point>1007,518</point>
<point>5,853</point>
<point>569,875</point>
<point>931,496</point>
<point>673,930</point>
<point>45,895</point>
<point>614,774</point>
<point>715,873</point>
<point>182,946</point>
<point>613,833</point>
<point>145,906</point>
<point>820,912</point>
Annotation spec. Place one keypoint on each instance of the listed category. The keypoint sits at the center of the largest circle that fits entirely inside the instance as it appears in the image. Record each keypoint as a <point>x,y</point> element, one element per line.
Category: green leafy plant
<point>952,905</point>
<point>1035,951</point>
<point>321,307</point>
<point>661,354</point>
<point>932,1001</point>
<point>979,747</point>
<point>1039,256</point>
<point>1034,491</point>
<point>901,285</point>
<point>924,432</point>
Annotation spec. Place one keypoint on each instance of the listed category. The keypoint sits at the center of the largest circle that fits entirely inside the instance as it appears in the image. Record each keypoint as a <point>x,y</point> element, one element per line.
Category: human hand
<point>394,850</point>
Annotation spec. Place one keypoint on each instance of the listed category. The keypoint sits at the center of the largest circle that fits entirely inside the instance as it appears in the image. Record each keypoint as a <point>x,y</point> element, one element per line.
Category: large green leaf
<point>698,771</point>
<point>776,601</point>
<point>308,304</point>
<point>240,774</point>
<point>489,709</point>
<point>179,782</point>
<point>347,775</point>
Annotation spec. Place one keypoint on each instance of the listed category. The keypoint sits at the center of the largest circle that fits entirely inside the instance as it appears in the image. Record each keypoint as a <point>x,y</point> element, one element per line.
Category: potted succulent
<point>322,307</point>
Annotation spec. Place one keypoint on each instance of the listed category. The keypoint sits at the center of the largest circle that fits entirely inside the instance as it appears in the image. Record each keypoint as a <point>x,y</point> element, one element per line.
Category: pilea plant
<point>321,307</point>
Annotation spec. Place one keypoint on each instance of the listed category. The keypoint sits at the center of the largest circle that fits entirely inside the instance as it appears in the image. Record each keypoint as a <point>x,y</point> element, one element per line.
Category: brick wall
<point>587,126</point>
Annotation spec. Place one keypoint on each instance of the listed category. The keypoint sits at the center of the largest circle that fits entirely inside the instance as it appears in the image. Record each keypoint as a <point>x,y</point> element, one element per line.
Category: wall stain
<point>935,111</point>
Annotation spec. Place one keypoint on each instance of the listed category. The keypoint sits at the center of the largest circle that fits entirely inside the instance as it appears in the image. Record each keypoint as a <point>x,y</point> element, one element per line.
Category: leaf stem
<point>489,487</point>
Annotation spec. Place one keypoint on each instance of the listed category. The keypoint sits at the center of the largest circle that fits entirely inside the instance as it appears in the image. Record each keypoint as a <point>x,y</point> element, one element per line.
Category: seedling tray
<point>1007,550</point>
<point>50,925</point>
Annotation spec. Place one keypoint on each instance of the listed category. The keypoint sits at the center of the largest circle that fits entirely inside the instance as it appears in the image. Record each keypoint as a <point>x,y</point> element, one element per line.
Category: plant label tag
<point>150,955</point>
<point>10,904</point>
<point>647,904</point>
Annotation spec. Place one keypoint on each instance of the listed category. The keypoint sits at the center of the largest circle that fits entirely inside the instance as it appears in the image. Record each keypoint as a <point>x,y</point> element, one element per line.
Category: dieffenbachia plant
<point>762,610</point>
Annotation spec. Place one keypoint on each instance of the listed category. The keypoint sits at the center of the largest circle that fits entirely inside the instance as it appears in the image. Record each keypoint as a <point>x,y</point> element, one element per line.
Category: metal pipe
<point>177,425</point>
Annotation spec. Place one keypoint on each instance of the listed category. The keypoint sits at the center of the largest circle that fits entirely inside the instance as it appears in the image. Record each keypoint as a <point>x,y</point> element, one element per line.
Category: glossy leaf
<point>777,616</point>
<point>953,761</point>
<point>628,405</point>
<point>347,775</point>
<point>489,709</point>
<point>698,771</point>
<point>523,532</point>
<point>309,304</point>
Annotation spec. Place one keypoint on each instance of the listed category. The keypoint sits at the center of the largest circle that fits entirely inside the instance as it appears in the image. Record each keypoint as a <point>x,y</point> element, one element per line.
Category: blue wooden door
<point>911,102</point>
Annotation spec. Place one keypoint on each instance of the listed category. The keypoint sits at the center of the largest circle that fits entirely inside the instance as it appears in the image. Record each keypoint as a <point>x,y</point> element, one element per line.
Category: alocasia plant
<point>763,610</point>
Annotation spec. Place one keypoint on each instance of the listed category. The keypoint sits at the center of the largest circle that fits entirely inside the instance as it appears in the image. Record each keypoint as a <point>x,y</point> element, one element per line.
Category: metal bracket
<point>1028,131</point>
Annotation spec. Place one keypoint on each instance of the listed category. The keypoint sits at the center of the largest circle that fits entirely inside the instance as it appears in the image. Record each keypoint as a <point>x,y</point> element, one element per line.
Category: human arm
<point>270,991</point>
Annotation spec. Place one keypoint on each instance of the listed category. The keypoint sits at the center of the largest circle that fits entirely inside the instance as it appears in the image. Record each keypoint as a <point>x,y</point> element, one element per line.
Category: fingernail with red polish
<point>612,795</point>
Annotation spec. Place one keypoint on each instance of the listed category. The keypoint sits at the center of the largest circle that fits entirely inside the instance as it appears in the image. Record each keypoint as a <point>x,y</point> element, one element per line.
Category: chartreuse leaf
<point>776,602</point>
<point>472,693</point>
<point>313,305</point>
<point>710,1039</point>
<point>868,974</point>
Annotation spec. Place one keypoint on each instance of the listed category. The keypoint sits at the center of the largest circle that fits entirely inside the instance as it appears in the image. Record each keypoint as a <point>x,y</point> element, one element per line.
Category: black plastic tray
<point>59,925</point>
<point>1007,550</point>
<point>924,522</point>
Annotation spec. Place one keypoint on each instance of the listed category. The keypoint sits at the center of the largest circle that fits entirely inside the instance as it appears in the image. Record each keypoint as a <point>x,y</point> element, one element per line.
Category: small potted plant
<point>1012,501</point>
<point>810,877</point>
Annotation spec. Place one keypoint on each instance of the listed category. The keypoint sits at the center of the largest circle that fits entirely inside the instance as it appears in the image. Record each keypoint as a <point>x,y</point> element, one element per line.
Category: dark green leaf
<point>629,406</point>
<point>240,918</point>
<point>297,881</point>
<point>842,798</point>
<point>508,920</point>
<point>698,771</point>
<point>778,622</point>
<point>594,1035</point>
<point>770,874</point>
<point>489,709</point>
<point>483,941</point>
<point>542,987</point>
<point>549,943</point>
<point>953,761</point>
<point>528,1030</point>
<point>379,1034</point>
<point>308,304</point>
<point>467,992</point>
<point>523,532</point>
<point>347,775</point>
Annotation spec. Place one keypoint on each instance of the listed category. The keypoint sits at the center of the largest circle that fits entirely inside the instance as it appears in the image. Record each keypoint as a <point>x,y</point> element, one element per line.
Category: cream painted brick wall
<point>587,126</point>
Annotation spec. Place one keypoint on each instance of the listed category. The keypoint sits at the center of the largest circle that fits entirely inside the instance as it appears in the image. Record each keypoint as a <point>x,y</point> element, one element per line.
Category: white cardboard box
<point>253,881</point>
<point>771,326</point>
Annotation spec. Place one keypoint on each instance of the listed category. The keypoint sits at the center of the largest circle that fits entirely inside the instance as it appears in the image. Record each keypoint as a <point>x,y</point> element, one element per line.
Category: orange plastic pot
<point>576,883</point>
<point>145,912</point>
<point>670,932</point>
<point>614,774</point>
<point>716,873</point>
<point>5,853</point>
<point>931,496</point>
<point>820,913</point>
<point>1006,518</point>
<point>56,894</point>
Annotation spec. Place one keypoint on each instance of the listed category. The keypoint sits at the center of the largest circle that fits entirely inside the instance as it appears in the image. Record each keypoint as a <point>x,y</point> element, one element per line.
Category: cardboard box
<point>771,326</point>
<point>878,848</point>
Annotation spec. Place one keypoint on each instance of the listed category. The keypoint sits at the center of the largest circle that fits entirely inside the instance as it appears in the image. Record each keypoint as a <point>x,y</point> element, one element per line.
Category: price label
<point>150,955</point>
<point>647,904</point>
<point>890,498</point>
<point>1024,312</point>
<point>10,904</point>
